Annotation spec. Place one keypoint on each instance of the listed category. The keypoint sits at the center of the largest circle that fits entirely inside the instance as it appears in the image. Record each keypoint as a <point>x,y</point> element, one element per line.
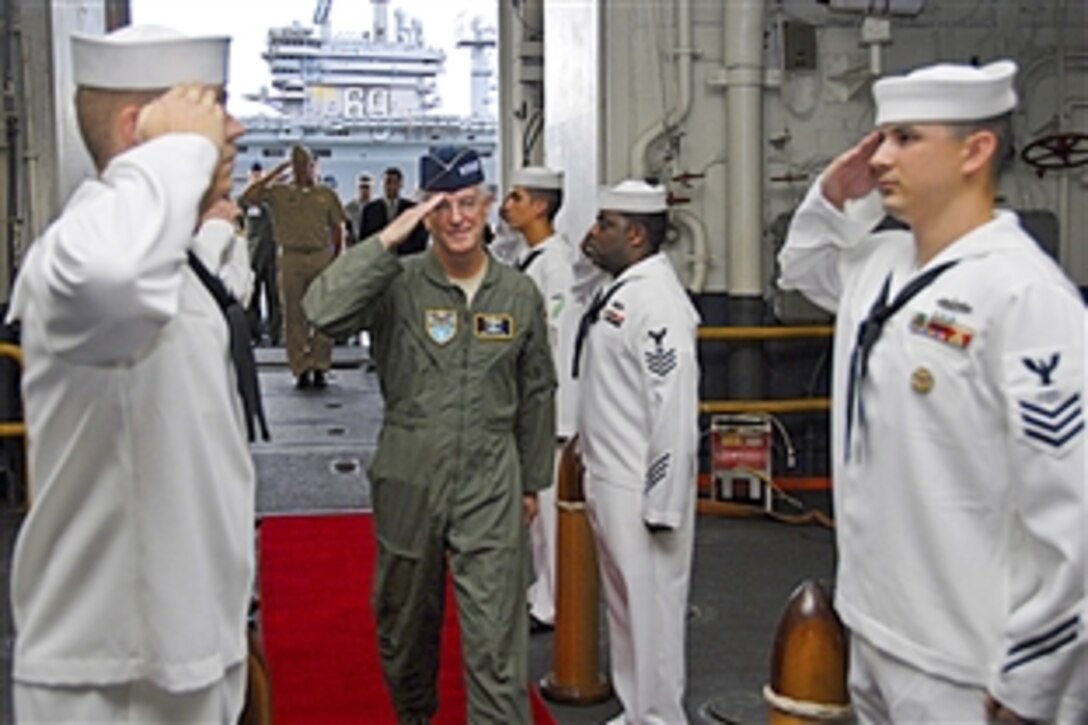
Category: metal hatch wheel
<point>1056,152</point>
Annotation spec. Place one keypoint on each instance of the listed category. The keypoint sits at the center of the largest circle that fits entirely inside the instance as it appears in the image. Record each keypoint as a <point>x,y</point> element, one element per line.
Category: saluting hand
<point>184,109</point>
<point>401,228</point>
<point>849,176</point>
<point>280,171</point>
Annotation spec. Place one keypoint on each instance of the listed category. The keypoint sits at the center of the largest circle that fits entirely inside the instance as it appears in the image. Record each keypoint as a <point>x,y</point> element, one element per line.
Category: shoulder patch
<point>660,360</point>
<point>1045,390</point>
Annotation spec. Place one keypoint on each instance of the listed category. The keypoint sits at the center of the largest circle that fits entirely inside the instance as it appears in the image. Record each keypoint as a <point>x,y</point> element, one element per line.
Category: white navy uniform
<point>959,501</point>
<point>136,560</point>
<point>550,265</point>
<point>638,422</point>
<point>222,250</point>
<point>1074,707</point>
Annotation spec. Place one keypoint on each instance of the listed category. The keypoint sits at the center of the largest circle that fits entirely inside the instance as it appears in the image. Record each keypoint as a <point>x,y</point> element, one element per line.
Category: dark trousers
<point>266,294</point>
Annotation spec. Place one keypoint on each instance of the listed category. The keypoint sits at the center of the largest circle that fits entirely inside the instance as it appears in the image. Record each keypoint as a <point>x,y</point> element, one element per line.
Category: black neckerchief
<point>592,314</point>
<point>524,264</point>
<point>241,348</point>
<point>869,332</point>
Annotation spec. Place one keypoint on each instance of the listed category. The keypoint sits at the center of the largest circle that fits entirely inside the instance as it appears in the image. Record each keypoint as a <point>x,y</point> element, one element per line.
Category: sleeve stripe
<point>657,471</point>
<point>1032,656</point>
<point>1049,634</point>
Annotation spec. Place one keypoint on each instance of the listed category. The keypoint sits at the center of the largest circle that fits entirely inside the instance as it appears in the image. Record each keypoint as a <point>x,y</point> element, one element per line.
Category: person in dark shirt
<point>381,211</point>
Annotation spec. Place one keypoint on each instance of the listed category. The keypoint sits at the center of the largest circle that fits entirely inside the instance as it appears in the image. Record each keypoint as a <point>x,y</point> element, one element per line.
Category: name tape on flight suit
<point>494,326</point>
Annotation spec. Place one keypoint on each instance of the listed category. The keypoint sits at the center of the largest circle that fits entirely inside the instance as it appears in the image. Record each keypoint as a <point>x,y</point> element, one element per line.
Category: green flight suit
<point>468,429</point>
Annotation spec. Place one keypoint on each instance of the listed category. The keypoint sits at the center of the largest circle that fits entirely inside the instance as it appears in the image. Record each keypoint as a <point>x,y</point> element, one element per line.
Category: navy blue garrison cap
<point>450,168</point>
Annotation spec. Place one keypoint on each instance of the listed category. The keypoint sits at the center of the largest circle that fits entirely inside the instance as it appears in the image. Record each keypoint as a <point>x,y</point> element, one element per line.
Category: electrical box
<point>799,45</point>
<point>740,458</point>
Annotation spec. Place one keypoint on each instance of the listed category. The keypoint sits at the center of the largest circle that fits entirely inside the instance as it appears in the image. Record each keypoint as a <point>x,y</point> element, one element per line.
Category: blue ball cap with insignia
<point>450,168</point>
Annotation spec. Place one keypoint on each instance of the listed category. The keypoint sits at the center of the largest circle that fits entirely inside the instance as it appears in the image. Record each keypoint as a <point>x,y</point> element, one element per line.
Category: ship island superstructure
<point>363,101</point>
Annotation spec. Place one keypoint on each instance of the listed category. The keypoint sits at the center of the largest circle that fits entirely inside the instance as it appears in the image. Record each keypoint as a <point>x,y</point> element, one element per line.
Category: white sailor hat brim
<point>148,57</point>
<point>537,177</point>
<point>946,93</point>
<point>633,197</point>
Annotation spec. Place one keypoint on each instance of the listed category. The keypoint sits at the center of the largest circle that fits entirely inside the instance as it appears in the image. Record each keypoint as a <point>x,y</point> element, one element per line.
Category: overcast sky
<point>247,22</point>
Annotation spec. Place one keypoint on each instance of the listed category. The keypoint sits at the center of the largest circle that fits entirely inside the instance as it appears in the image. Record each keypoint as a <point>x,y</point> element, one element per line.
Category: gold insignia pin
<point>921,380</point>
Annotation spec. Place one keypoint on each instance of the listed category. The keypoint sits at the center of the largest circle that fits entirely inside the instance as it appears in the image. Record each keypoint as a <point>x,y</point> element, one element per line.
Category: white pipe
<point>683,53</point>
<point>744,21</point>
<point>1065,237</point>
<point>700,251</point>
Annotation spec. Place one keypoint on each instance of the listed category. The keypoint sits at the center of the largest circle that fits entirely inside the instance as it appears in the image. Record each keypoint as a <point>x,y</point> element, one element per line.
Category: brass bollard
<point>576,678</point>
<point>808,664</point>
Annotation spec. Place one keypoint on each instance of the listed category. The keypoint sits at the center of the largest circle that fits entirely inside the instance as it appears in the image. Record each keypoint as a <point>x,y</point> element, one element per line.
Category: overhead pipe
<point>1064,236</point>
<point>744,20</point>
<point>12,135</point>
<point>743,80</point>
<point>684,53</point>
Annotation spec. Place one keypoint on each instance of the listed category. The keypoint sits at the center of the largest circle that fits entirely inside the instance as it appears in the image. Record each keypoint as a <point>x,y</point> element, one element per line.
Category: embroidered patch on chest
<point>660,360</point>
<point>614,316</point>
<point>441,325</point>
<point>942,328</point>
<point>558,303</point>
<point>493,326</point>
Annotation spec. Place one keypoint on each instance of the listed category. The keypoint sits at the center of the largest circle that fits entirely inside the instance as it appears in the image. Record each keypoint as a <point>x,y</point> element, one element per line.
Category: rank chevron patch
<point>660,361</point>
<point>1055,425</point>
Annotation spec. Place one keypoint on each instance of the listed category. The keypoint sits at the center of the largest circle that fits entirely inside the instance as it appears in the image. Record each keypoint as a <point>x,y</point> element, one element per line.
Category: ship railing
<point>777,406</point>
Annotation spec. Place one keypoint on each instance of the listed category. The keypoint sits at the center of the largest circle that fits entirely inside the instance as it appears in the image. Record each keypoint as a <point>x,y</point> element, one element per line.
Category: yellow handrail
<point>787,405</point>
<point>16,428</point>
<point>9,349</point>
<point>765,333</point>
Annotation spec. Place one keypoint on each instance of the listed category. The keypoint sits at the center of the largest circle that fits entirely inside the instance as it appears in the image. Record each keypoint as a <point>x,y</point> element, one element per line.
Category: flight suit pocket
<point>400,492</point>
<point>497,368</point>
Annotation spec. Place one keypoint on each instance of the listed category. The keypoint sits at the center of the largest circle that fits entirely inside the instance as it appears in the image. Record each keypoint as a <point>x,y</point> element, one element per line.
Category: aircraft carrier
<point>364,100</point>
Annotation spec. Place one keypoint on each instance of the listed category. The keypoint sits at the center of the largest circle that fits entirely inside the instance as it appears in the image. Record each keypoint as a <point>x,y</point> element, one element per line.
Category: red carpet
<point>319,632</point>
